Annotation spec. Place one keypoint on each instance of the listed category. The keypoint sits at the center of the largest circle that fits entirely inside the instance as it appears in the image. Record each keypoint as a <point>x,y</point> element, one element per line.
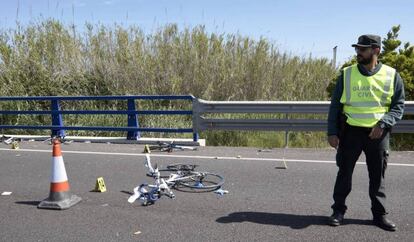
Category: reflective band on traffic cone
<point>59,197</point>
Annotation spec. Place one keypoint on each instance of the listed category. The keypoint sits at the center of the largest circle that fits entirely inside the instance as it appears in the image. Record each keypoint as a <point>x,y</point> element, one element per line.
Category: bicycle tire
<point>164,173</point>
<point>181,167</point>
<point>155,147</point>
<point>160,148</point>
<point>207,181</point>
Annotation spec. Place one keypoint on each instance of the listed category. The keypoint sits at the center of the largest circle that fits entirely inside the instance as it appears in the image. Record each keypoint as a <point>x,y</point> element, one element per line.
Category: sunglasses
<point>361,49</point>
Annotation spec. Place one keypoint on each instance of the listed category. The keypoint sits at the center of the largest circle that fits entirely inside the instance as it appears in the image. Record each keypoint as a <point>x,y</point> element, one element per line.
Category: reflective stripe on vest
<point>366,115</point>
<point>367,98</point>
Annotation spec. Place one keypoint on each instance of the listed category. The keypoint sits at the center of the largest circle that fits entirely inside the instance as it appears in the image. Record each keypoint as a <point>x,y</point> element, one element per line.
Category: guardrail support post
<point>57,119</point>
<point>286,144</point>
<point>195,137</point>
<point>132,121</point>
<point>196,113</point>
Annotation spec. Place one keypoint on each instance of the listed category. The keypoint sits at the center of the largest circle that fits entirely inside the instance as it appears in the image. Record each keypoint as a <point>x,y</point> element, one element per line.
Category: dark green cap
<point>368,40</point>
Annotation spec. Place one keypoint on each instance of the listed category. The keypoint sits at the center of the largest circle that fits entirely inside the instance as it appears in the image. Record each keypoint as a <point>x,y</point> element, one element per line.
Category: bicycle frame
<point>161,187</point>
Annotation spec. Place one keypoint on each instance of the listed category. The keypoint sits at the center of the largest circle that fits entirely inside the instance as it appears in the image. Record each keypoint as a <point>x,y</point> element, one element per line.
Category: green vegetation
<point>48,59</point>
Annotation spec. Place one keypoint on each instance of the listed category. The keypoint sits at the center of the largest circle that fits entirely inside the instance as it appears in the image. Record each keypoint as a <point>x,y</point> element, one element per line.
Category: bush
<point>47,59</point>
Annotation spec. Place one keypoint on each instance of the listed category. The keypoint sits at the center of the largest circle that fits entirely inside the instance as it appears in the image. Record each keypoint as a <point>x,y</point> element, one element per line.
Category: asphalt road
<point>263,204</point>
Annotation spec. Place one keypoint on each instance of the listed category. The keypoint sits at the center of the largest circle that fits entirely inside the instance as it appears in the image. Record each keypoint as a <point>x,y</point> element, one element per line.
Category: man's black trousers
<point>354,140</point>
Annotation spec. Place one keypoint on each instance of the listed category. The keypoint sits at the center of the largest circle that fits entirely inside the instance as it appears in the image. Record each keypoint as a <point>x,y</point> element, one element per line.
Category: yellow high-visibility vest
<point>367,98</point>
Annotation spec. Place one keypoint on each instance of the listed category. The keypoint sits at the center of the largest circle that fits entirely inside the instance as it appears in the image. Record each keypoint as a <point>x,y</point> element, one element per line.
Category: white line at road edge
<point>196,157</point>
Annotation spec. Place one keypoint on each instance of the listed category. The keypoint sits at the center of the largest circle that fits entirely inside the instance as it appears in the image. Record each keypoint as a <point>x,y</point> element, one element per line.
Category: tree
<point>402,59</point>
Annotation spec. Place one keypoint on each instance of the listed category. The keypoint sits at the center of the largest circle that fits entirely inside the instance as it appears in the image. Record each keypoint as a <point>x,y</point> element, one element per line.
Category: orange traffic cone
<point>59,197</point>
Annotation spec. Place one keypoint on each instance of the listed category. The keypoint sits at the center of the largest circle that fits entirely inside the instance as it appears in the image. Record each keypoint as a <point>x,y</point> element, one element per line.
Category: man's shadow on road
<point>281,219</point>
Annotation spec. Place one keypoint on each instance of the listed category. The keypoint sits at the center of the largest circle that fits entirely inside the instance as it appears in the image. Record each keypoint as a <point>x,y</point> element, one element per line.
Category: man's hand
<point>376,132</point>
<point>333,141</point>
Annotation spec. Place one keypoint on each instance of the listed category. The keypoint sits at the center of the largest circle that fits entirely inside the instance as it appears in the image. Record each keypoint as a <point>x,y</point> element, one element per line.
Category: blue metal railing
<point>133,129</point>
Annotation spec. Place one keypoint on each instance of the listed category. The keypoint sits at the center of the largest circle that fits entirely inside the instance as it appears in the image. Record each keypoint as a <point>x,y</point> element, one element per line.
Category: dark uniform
<point>355,140</point>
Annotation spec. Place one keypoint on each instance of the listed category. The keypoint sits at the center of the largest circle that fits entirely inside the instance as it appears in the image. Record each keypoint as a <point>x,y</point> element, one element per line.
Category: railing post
<point>287,134</point>
<point>132,121</point>
<point>195,119</point>
<point>195,137</point>
<point>57,119</point>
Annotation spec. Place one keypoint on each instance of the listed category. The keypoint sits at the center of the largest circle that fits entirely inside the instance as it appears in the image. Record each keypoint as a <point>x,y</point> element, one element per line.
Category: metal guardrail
<point>58,128</point>
<point>202,107</point>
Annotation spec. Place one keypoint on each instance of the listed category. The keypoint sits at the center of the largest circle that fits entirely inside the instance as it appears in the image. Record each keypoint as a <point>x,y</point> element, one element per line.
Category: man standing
<point>367,102</point>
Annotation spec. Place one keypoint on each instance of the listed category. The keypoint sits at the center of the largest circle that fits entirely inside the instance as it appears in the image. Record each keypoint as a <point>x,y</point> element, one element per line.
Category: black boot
<point>336,218</point>
<point>384,223</point>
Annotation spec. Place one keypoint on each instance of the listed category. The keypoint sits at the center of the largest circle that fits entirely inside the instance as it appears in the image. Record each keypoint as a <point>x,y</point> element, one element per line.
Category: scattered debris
<point>67,142</point>
<point>48,139</point>
<point>264,151</point>
<point>221,192</point>
<point>8,141</point>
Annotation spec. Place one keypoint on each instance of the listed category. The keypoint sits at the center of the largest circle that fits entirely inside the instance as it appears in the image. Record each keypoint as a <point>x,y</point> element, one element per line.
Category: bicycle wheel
<point>181,167</point>
<point>164,173</point>
<point>155,147</point>
<point>202,180</point>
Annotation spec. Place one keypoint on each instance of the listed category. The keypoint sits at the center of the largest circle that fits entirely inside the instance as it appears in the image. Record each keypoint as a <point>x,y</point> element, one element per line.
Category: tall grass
<point>48,58</point>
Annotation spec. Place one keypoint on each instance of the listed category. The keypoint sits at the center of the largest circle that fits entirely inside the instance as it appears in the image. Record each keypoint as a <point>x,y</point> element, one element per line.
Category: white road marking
<point>195,156</point>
